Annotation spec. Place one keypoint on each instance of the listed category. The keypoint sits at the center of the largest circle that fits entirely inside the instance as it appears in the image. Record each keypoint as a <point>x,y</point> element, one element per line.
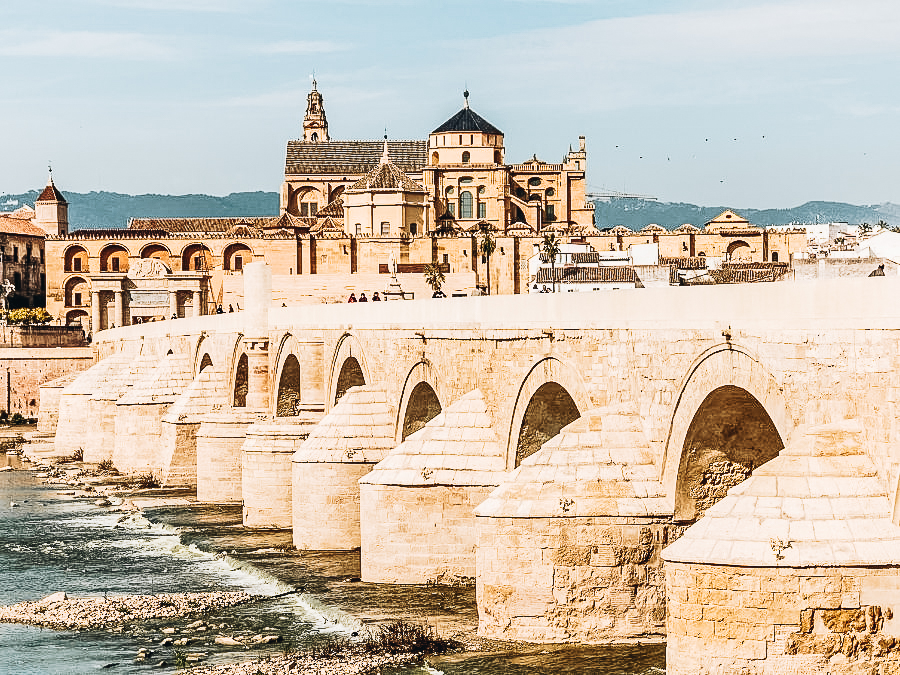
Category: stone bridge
<point>547,446</point>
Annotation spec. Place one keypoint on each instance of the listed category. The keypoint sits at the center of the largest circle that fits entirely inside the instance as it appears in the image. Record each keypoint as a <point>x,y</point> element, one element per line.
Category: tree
<point>487,247</point>
<point>864,228</point>
<point>550,248</point>
<point>434,276</point>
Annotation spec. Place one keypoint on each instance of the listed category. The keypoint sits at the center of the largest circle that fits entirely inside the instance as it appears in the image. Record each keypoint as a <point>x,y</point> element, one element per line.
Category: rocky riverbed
<point>62,613</point>
<point>348,663</point>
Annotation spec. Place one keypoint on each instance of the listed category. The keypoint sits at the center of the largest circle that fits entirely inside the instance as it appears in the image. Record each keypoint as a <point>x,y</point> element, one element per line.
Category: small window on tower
<point>385,228</point>
<point>446,257</point>
<point>76,302</point>
<point>465,157</point>
<point>315,137</point>
<point>482,210</point>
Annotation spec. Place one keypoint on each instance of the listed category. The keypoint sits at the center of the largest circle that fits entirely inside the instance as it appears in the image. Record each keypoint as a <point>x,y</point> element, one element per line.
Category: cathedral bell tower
<point>315,124</point>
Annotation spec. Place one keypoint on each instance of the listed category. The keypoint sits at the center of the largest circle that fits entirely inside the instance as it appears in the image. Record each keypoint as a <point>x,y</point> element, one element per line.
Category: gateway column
<point>95,311</point>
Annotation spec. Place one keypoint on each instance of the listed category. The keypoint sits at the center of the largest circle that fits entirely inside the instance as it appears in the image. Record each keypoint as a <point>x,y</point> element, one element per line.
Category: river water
<point>51,543</point>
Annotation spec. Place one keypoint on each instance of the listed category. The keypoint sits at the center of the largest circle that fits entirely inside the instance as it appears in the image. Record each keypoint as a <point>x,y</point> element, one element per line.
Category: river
<point>50,542</point>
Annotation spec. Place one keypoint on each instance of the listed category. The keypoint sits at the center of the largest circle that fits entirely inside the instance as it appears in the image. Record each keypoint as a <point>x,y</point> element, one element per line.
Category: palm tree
<point>549,250</point>
<point>434,276</point>
<point>487,247</point>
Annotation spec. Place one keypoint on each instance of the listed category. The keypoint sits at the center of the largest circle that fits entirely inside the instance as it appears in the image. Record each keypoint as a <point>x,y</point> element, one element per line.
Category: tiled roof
<point>599,465</point>
<point>587,257</point>
<point>386,176</point>
<point>51,194</point>
<point>467,120</point>
<point>334,208</point>
<point>202,224</point>
<point>819,503</point>
<point>458,447</point>
<point>352,158</point>
<point>586,275</point>
<point>9,225</point>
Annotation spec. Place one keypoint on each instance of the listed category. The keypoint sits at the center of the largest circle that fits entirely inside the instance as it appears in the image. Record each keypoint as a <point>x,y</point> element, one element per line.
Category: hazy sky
<point>718,102</point>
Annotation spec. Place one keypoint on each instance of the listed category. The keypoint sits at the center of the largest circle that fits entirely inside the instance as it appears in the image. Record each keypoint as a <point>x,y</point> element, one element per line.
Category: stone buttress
<point>75,422</point>
<point>349,441</point>
<point>179,426</point>
<point>48,405</point>
<point>569,544</point>
<point>101,438</point>
<point>266,468</point>
<point>139,414</point>
<point>796,570</point>
<point>417,505</point>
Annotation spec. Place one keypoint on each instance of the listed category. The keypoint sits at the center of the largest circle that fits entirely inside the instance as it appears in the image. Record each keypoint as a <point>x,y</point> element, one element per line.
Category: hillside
<point>111,209</point>
<point>637,213</point>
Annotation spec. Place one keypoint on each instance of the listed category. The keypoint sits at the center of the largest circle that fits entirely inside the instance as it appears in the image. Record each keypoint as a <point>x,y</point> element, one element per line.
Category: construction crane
<point>615,194</point>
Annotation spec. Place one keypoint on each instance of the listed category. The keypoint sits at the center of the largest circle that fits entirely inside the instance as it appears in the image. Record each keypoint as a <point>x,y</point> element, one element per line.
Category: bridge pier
<point>266,468</point>
<point>326,469</point>
<point>417,505</point>
<point>796,570</point>
<point>568,545</point>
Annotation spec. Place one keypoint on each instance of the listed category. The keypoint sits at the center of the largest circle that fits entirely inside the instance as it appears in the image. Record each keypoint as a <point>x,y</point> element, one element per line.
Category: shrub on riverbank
<point>401,637</point>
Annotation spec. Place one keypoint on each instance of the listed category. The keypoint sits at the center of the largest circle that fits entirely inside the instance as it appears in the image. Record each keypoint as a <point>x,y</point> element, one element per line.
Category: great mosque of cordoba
<point>352,211</point>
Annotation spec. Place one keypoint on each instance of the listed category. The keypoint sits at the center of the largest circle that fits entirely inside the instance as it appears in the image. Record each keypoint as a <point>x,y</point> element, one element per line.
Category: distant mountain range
<point>112,209</point>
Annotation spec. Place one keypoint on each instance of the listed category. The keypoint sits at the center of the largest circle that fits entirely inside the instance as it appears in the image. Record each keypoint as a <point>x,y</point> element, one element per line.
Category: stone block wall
<point>417,535</point>
<point>137,439</point>
<point>266,472</point>
<point>219,440</point>
<point>776,621</point>
<point>325,503</point>
<point>178,451</point>
<point>29,368</point>
<point>571,579</point>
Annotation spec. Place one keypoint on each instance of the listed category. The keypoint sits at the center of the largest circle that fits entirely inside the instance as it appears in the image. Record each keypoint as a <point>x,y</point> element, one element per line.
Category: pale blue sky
<point>733,102</point>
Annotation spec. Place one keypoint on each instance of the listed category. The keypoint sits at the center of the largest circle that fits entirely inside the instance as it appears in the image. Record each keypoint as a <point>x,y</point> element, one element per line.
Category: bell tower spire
<point>315,124</point>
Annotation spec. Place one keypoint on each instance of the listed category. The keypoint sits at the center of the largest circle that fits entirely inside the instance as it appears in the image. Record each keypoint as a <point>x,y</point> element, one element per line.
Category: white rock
<point>228,641</point>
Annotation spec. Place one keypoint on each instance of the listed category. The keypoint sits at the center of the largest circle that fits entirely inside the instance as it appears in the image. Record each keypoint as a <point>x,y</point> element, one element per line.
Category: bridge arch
<point>729,417</point>
<point>348,368</point>
<point>420,401</point>
<point>287,378</point>
<point>551,396</point>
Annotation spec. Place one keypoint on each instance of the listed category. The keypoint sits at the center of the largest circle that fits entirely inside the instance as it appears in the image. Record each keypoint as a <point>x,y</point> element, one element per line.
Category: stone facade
<point>796,570</point>
<point>327,467</point>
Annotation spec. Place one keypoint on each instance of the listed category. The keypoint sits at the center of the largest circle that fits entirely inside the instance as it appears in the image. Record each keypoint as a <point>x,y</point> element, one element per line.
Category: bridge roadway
<point>428,433</point>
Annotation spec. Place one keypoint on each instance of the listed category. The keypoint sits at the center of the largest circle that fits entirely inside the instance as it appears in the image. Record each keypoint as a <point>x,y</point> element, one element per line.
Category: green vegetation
<point>27,316</point>
<point>146,481</point>
<point>549,250</point>
<point>400,637</point>
<point>434,277</point>
<point>486,247</point>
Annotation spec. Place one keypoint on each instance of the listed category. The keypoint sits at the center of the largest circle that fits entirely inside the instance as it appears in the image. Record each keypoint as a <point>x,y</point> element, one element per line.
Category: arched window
<point>465,157</point>
<point>413,229</point>
<point>465,204</point>
<point>434,157</point>
<point>550,192</point>
<point>497,157</point>
<point>315,137</point>
<point>774,256</point>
